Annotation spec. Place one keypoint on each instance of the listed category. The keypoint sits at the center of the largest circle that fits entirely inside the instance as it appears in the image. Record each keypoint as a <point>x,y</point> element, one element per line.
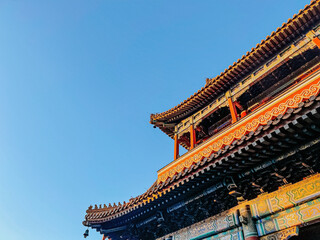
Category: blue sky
<point>78,82</point>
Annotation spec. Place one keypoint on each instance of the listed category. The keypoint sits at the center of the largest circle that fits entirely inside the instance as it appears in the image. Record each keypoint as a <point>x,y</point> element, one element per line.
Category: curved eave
<point>218,161</point>
<point>275,42</point>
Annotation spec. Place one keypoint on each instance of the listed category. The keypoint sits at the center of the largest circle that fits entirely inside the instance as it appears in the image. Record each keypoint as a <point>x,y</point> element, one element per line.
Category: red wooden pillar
<point>316,40</point>
<point>232,110</point>
<point>176,147</point>
<point>192,137</point>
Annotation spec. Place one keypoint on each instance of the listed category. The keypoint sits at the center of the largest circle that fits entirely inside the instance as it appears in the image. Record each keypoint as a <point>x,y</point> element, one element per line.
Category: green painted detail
<point>286,197</point>
<point>277,225</point>
<point>234,234</point>
<point>203,235</point>
<point>291,217</point>
<point>251,234</point>
<point>208,227</point>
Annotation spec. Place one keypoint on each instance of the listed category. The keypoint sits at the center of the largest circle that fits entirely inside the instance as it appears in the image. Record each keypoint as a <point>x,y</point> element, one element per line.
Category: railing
<point>221,124</point>
<point>280,86</point>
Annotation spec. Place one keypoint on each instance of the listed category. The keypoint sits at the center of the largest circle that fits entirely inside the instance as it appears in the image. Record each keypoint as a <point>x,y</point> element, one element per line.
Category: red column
<point>232,110</point>
<point>316,40</point>
<point>176,147</point>
<point>192,137</point>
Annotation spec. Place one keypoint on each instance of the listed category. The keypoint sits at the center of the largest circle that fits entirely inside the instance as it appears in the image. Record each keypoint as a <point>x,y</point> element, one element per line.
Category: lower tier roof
<point>271,146</point>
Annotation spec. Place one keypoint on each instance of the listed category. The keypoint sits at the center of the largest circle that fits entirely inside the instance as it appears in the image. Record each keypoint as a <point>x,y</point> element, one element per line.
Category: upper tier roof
<point>275,42</point>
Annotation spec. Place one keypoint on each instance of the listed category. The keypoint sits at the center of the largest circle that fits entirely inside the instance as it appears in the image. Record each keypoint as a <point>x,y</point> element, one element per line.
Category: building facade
<point>253,140</point>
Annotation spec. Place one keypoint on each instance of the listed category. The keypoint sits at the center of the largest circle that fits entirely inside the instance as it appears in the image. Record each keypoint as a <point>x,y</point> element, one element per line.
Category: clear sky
<point>78,82</point>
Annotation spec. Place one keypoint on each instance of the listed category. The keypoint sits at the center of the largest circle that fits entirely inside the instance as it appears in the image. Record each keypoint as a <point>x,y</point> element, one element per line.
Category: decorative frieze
<point>290,206</point>
<point>282,235</point>
<point>213,225</point>
<point>234,234</point>
<point>292,217</point>
<point>286,197</point>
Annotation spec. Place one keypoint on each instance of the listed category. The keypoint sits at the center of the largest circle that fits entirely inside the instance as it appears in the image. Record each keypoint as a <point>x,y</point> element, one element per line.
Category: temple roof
<point>307,114</point>
<point>295,125</point>
<point>272,44</point>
